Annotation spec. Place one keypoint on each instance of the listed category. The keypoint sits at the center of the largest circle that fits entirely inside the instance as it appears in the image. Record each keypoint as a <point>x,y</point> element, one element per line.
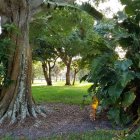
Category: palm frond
<point>84,7</point>
<point>91,10</point>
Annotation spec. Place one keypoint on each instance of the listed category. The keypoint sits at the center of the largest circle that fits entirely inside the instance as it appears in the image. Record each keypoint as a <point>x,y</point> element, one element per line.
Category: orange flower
<point>94,105</point>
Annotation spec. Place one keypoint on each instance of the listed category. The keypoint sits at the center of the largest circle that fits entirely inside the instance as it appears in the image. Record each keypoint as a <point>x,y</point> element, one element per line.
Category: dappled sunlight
<point>83,84</point>
<point>60,83</point>
<point>121,52</point>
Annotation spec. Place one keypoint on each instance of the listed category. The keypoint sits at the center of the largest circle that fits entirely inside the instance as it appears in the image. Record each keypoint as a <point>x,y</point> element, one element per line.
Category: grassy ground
<point>60,94</point>
<point>93,135</point>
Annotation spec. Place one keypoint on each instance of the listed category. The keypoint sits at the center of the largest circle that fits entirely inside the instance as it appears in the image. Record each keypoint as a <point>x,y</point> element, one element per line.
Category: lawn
<point>60,94</point>
<point>92,135</point>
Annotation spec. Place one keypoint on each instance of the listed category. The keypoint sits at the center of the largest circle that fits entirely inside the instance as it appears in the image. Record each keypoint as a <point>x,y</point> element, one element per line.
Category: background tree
<point>56,71</point>
<point>47,55</point>
<point>75,68</point>
<point>38,72</point>
<point>68,36</point>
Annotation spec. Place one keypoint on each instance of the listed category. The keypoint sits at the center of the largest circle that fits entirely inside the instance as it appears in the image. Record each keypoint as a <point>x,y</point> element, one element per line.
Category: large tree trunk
<point>16,100</point>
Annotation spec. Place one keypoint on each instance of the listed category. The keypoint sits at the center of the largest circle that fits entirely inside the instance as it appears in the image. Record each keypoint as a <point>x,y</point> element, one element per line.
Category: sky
<point>113,5</point>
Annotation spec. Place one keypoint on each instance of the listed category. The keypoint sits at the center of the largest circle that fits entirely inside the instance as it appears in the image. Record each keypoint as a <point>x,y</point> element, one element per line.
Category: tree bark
<point>33,76</point>
<point>16,99</point>
<point>50,74</point>
<point>68,75</point>
<point>74,77</point>
<point>47,73</point>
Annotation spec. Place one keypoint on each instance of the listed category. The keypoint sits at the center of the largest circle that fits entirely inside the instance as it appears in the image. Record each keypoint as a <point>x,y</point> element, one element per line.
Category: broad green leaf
<point>123,64</point>
<point>129,10</point>
<point>128,99</point>
<point>138,75</point>
<point>114,114</point>
<point>125,2</point>
<point>126,77</point>
<point>121,15</point>
<point>138,111</point>
<point>139,64</point>
<point>138,17</point>
<point>115,91</point>
<point>91,10</point>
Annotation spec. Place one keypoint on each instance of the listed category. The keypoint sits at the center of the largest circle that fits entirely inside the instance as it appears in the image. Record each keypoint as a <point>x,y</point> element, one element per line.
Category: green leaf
<point>138,111</point>
<point>129,10</point>
<point>125,2</point>
<point>115,91</point>
<point>126,77</point>
<point>121,15</point>
<point>91,10</point>
<point>137,75</point>
<point>114,114</point>
<point>123,64</point>
<point>128,99</point>
<point>84,78</point>
<point>139,64</point>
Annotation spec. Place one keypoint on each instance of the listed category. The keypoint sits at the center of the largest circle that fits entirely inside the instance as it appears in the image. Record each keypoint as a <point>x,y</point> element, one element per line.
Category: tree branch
<point>54,63</point>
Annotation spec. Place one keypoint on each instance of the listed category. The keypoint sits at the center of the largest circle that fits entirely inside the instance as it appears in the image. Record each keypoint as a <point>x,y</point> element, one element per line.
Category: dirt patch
<point>60,119</point>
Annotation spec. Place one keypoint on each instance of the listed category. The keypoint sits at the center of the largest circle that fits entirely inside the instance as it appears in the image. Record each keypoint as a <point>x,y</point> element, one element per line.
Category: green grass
<point>92,135</point>
<point>60,94</point>
<point>89,135</point>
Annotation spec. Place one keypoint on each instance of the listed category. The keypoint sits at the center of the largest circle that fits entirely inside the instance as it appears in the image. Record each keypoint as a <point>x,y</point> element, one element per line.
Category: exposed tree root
<point>14,116</point>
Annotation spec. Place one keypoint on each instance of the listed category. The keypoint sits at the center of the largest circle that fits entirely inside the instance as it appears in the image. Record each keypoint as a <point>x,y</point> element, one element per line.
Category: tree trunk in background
<point>47,73</point>
<point>55,78</point>
<point>68,75</point>
<point>50,74</point>
<point>74,77</point>
<point>16,99</point>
